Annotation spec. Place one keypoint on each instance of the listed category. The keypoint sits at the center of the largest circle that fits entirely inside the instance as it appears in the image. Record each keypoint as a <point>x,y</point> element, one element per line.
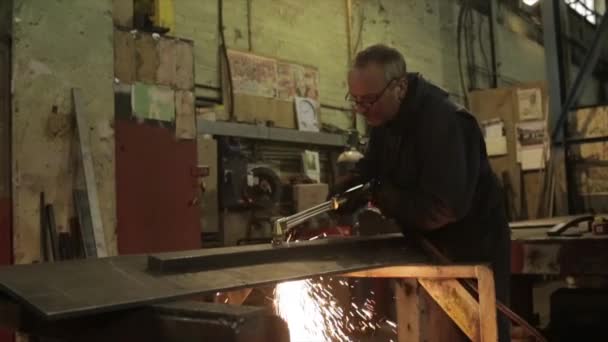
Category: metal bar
<point>53,234</point>
<point>202,260</point>
<point>84,223</point>
<point>89,174</point>
<point>492,20</point>
<point>553,56</point>
<point>587,140</point>
<point>259,132</point>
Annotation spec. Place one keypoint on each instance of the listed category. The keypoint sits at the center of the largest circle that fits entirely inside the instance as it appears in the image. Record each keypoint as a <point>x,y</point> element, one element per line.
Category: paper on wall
<point>311,165</point>
<point>307,111</point>
<point>494,135</point>
<point>531,142</point>
<point>530,104</point>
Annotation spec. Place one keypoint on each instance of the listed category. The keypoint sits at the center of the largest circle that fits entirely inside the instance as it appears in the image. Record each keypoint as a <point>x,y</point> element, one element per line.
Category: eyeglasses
<point>367,104</point>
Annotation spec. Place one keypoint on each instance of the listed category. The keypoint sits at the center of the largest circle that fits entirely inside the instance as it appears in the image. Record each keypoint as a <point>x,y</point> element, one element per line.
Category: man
<point>429,159</point>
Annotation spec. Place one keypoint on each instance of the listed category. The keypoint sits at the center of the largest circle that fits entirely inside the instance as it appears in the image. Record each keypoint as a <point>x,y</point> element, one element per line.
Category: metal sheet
<point>77,288</point>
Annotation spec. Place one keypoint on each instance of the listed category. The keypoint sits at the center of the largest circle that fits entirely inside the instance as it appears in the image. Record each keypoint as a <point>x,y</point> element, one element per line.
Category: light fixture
<point>530,2</point>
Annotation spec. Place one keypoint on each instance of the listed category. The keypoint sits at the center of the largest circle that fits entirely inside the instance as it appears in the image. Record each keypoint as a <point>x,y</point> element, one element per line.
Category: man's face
<point>374,97</point>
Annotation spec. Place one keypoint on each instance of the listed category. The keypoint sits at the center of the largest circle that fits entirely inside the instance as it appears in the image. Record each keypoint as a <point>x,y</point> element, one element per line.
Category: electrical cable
<point>224,52</point>
<point>459,53</point>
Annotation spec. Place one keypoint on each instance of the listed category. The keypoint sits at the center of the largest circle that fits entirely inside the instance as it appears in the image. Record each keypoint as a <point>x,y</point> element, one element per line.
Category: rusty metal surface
<point>84,287</point>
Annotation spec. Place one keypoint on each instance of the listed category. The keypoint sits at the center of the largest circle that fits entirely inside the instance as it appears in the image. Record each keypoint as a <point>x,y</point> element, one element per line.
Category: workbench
<point>141,297</point>
<point>575,251</point>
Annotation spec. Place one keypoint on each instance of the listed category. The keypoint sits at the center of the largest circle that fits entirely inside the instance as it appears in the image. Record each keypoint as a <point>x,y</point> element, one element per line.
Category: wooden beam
<point>409,307</point>
<point>477,321</point>
<point>457,303</point>
<point>487,304</point>
<point>418,271</point>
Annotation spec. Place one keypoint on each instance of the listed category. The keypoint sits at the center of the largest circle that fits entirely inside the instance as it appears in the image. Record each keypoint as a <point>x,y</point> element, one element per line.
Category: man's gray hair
<point>389,58</point>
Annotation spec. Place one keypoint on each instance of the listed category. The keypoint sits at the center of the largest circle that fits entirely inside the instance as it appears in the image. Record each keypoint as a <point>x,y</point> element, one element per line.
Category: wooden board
<point>453,308</point>
<point>146,55</point>
<point>410,310</point>
<point>185,125</point>
<point>167,62</point>
<point>124,56</point>
<point>254,109</point>
<point>158,60</point>
<point>184,63</point>
<point>498,103</point>
<point>122,12</point>
<point>502,103</point>
<point>532,183</point>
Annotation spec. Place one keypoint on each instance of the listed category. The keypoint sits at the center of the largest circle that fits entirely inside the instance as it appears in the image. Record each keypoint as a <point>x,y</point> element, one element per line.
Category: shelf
<point>259,132</point>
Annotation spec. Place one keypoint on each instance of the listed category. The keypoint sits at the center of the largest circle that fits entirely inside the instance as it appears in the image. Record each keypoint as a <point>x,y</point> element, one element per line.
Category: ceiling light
<point>530,2</point>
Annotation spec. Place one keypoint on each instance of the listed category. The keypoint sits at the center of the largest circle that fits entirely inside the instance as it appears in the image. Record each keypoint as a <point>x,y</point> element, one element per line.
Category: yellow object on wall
<point>164,14</point>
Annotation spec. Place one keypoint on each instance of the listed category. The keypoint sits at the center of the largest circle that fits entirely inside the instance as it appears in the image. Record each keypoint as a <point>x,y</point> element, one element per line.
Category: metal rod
<point>311,209</point>
<point>291,222</point>
<point>587,140</point>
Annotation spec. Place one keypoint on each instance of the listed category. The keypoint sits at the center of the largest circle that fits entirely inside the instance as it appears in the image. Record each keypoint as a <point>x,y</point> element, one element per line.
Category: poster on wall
<point>532,149</point>
<point>296,80</point>
<point>253,75</point>
<point>530,104</point>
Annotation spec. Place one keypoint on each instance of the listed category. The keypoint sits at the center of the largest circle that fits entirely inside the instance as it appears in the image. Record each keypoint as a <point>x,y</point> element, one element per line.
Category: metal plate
<point>78,288</point>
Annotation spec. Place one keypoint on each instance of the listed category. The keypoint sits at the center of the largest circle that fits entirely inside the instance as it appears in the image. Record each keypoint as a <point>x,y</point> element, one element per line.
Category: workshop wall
<point>312,33</point>
<point>6,254</point>
<point>315,33</point>
<point>58,45</point>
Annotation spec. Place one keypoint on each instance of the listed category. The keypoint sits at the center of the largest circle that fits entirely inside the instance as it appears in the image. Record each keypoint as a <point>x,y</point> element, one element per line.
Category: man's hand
<point>355,200</point>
